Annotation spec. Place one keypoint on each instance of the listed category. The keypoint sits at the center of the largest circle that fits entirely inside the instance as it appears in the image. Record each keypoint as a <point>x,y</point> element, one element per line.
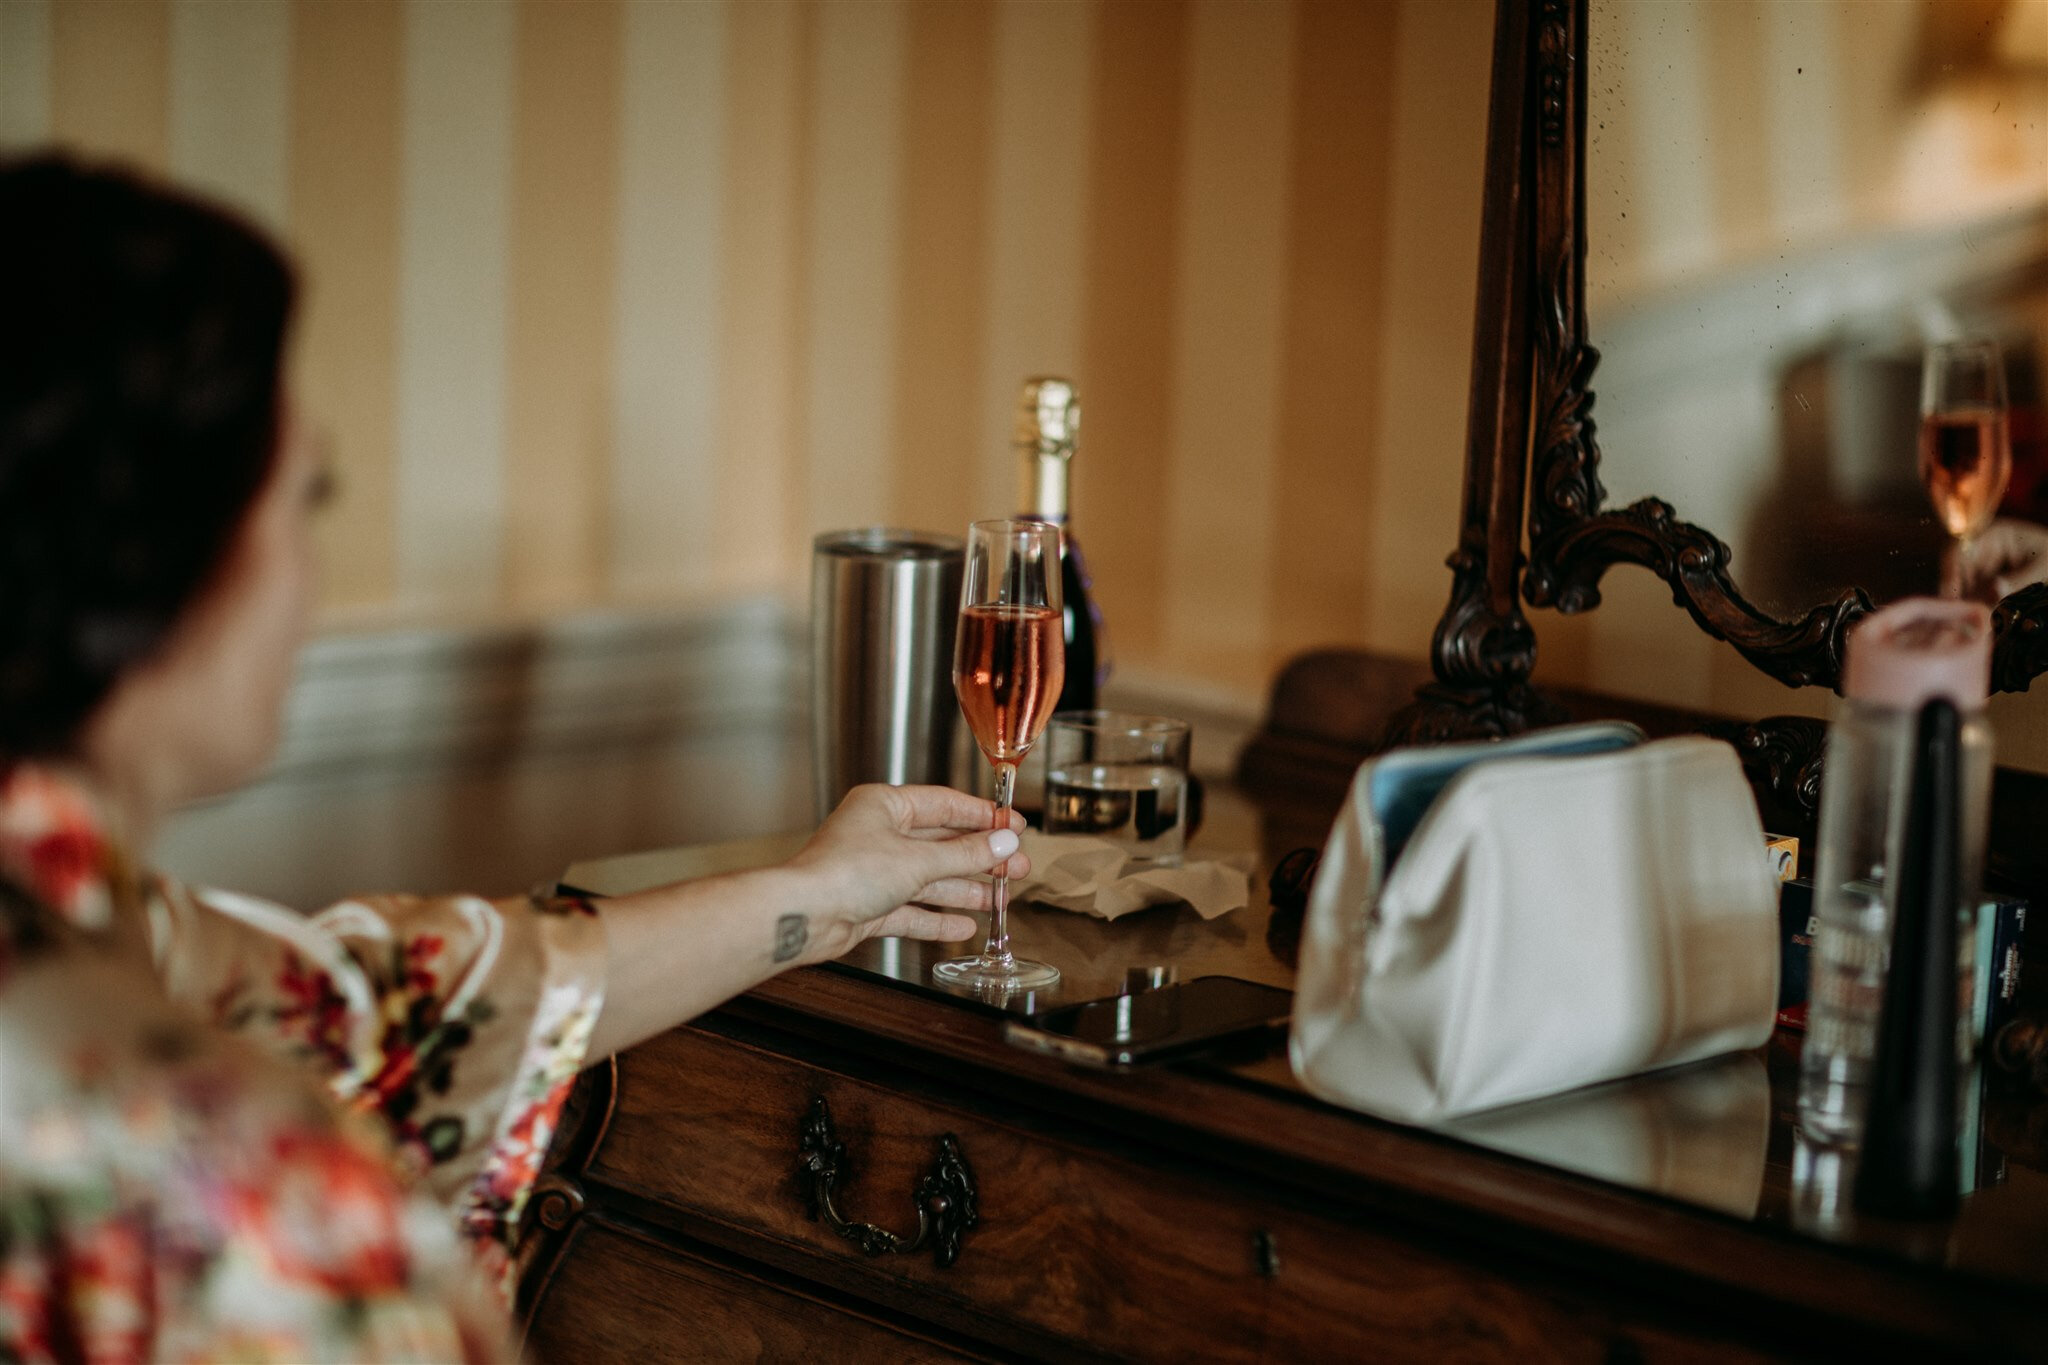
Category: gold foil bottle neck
<point>1048,418</point>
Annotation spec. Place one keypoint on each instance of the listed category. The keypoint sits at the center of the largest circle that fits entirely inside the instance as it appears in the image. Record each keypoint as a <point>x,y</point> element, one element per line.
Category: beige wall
<point>620,301</point>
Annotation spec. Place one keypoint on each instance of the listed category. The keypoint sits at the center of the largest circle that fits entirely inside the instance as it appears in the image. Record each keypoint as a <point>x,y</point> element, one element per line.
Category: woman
<point>173,1183</point>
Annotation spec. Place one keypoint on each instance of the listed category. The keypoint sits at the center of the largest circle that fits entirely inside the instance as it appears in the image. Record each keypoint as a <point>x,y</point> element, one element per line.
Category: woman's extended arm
<point>676,951</point>
<point>463,1022</point>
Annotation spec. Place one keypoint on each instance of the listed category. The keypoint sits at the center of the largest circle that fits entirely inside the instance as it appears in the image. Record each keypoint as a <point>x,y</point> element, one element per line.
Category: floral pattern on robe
<point>172,1190</point>
<point>460,1021</point>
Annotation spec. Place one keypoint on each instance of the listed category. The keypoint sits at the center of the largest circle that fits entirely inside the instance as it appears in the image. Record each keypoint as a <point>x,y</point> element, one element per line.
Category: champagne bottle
<point>1048,426</point>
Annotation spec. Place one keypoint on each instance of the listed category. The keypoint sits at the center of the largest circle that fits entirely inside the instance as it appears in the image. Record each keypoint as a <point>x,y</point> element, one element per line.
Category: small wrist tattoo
<point>792,932</point>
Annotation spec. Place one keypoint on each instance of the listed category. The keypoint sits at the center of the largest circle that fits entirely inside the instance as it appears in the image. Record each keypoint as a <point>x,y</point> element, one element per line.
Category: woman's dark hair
<point>141,337</point>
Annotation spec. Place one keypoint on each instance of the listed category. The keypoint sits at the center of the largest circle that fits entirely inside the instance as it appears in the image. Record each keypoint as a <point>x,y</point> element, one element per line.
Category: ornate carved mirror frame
<point>1532,462</point>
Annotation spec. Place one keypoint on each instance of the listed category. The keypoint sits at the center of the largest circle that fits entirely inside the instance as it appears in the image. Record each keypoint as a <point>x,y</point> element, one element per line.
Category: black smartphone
<point>1151,1025</point>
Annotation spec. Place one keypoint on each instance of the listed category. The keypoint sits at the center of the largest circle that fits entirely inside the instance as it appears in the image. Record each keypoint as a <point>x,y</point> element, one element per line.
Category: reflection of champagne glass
<point>1007,667</point>
<point>1965,444</point>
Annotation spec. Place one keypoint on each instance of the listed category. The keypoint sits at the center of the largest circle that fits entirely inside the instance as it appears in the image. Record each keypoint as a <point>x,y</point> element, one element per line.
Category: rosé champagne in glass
<point>1965,441</point>
<point>1008,663</point>
<point>1009,672</point>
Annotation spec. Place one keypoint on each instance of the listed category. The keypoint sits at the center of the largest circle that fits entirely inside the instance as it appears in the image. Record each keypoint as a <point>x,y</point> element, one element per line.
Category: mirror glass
<point>1787,203</point>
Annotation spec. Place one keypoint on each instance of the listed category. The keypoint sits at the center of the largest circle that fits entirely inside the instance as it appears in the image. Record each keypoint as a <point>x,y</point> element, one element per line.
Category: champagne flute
<point>1965,442</point>
<point>1007,669</point>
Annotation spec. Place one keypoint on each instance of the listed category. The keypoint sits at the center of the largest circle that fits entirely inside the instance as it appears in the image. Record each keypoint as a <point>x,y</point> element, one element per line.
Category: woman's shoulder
<point>206,1194</point>
<point>93,1051</point>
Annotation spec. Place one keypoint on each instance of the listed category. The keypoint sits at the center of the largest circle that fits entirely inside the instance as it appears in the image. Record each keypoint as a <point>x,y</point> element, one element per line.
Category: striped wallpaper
<point>618,302</point>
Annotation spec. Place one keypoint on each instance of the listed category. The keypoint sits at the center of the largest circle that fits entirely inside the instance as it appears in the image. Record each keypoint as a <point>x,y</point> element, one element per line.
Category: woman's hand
<point>2006,556</point>
<point>889,863</point>
<point>876,868</point>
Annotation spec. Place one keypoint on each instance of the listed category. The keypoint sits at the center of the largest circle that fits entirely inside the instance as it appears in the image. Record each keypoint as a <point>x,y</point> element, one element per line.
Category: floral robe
<point>173,1182</point>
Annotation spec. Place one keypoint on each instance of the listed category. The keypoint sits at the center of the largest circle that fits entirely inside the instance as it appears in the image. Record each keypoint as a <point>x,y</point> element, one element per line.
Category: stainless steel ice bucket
<point>884,608</point>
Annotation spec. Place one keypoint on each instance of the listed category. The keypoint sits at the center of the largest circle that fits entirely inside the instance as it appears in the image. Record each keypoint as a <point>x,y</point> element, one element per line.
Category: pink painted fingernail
<point>1002,843</point>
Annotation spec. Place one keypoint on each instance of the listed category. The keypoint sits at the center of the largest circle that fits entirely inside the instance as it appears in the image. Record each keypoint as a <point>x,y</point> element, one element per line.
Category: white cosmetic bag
<point>1551,922</point>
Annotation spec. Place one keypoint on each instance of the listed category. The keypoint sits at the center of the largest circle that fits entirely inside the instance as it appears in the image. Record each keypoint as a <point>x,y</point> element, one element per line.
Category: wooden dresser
<point>1208,1212</point>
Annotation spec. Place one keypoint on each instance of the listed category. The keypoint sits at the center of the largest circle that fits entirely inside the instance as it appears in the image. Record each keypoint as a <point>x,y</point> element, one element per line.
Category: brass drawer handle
<point>945,1198</point>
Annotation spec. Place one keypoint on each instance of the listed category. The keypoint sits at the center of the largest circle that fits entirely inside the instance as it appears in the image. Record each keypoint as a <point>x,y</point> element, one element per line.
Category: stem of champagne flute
<point>997,952</point>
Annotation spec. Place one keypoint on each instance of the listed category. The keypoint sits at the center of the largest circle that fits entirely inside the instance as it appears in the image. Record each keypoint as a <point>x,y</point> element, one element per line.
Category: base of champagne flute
<point>1008,974</point>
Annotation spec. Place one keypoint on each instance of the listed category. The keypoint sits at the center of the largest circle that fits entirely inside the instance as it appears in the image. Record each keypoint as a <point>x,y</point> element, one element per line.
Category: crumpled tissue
<point>1092,876</point>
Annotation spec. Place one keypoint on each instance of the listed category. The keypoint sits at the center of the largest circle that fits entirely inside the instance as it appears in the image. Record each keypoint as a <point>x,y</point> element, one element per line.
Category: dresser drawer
<point>1079,1246</point>
<point>621,1297</point>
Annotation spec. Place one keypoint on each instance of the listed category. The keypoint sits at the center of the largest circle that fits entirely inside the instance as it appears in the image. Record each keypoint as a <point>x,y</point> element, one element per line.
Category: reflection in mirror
<point>1787,203</point>
<point>1699,1134</point>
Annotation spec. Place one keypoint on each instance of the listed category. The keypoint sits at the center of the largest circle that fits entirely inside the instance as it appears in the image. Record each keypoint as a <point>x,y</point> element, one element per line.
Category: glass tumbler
<point>1119,777</point>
